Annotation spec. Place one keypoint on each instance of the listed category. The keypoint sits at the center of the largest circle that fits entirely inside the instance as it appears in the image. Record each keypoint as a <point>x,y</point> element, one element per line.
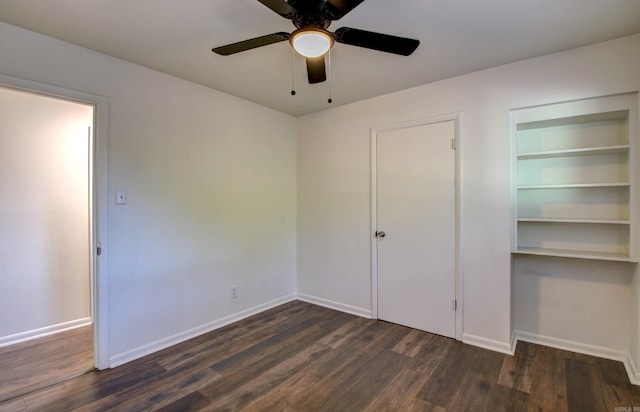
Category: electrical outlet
<point>234,291</point>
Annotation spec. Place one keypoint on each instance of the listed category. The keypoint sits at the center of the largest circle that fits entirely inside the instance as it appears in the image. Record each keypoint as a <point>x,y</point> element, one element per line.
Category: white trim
<point>514,342</point>
<point>101,232</point>
<point>587,349</point>
<point>513,148</point>
<point>42,332</point>
<point>100,205</point>
<point>485,343</point>
<point>163,343</point>
<point>456,117</point>
<point>374,223</point>
<point>632,370</point>
<point>459,223</point>
<point>341,307</point>
<point>439,118</point>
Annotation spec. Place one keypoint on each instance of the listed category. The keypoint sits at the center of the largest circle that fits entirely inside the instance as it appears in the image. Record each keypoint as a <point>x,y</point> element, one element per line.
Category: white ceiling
<point>457,37</point>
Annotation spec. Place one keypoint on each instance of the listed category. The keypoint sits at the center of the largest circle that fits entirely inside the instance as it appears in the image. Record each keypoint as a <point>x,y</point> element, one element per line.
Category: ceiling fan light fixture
<point>311,42</point>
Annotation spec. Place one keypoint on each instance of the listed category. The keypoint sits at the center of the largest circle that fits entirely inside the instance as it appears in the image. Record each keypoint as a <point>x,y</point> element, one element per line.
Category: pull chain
<point>293,63</point>
<point>330,100</point>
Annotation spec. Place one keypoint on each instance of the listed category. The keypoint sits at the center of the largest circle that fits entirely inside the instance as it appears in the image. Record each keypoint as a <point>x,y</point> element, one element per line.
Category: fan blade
<point>336,9</point>
<point>315,70</point>
<point>251,43</point>
<point>376,41</point>
<point>279,6</point>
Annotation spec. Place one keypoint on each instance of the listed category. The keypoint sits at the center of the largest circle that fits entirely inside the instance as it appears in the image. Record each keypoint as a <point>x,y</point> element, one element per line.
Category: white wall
<point>582,301</point>
<point>211,185</point>
<point>334,167</point>
<point>44,214</point>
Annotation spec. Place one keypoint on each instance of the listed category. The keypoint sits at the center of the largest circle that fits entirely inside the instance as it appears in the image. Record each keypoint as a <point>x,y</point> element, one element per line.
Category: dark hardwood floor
<point>301,357</point>
<point>37,363</point>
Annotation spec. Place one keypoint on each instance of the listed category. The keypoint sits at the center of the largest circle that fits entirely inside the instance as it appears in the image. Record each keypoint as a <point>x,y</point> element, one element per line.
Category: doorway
<point>414,222</point>
<point>47,240</point>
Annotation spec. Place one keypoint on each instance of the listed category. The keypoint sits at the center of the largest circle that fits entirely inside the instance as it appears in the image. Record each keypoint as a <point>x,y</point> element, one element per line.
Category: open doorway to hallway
<point>46,240</point>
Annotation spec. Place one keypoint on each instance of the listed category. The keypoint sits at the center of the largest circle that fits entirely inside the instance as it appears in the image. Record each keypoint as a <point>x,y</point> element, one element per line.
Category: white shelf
<point>574,152</point>
<point>574,185</point>
<point>570,220</point>
<point>621,257</point>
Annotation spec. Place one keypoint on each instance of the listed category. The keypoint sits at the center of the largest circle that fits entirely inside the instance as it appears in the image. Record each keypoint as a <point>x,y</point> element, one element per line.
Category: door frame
<point>98,201</point>
<point>375,131</point>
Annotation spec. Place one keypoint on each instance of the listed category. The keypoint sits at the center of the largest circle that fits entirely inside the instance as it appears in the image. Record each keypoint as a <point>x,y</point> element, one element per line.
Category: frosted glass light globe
<point>311,43</point>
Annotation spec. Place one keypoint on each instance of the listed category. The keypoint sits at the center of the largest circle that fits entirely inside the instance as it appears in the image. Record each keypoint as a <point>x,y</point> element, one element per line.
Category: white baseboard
<point>136,353</point>
<point>485,343</point>
<point>364,313</point>
<point>514,342</point>
<point>502,347</point>
<point>41,332</point>
<point>572,346</point>
<point>587,349</point>
<point>632,370</point>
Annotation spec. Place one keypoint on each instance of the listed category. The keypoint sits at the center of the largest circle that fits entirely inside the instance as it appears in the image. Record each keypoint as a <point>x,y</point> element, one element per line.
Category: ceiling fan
<point>312,39</point>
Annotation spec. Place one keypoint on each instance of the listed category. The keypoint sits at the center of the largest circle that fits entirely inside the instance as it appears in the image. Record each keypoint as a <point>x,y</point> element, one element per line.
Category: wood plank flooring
<point>301,357</point>
<point>37,363</point>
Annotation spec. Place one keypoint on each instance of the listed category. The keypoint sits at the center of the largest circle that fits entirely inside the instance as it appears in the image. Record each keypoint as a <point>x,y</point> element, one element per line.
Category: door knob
<point>380,233</point>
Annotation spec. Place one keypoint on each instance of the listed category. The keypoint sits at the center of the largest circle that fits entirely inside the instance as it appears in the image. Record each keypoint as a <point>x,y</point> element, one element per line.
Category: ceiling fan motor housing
<point>312,19</point>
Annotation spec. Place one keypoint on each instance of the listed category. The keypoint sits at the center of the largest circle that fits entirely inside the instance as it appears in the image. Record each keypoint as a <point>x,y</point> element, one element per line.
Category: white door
<point>416,211</point>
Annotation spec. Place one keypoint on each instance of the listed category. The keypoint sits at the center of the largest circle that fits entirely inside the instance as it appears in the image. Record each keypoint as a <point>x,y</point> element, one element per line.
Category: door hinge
<point>453,144</point>
<point>454,304</point>
<point>99,250</point>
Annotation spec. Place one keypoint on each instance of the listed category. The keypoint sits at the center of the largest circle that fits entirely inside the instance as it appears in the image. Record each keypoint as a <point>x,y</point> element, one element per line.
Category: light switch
<point>121,197</point>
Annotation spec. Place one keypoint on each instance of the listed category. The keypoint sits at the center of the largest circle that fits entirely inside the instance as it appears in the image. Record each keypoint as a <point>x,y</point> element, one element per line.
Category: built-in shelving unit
<point>575,175</point>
